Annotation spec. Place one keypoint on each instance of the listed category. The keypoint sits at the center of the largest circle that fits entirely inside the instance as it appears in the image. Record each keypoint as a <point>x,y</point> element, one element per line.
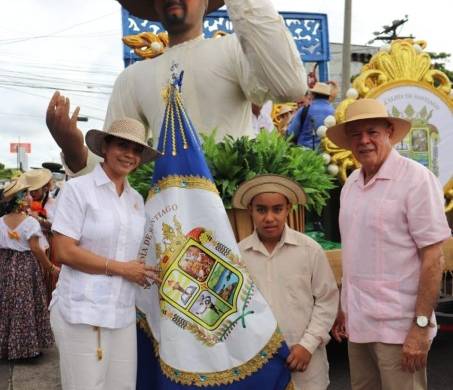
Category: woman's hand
<point>54,270</point>
<point>137,271</point>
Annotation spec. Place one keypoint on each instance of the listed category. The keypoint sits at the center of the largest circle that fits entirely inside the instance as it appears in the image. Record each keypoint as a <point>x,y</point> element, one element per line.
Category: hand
<point>339,327</point>
<point>54,270</point>
<point>299,358</point>
<point>65,132</point>
<point>137,271</point>
<point>415,349</point>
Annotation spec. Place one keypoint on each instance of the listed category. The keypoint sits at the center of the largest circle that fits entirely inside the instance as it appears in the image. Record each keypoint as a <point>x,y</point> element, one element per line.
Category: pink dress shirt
<point>383,224</point>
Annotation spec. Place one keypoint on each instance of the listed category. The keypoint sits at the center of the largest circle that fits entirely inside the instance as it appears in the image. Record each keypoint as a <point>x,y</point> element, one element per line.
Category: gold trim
<point>228,376</point>
<point>187,182</point>
<point>448,193</point>
<point>403,62</point>
<point>291,386</point>
<point>216,378</point>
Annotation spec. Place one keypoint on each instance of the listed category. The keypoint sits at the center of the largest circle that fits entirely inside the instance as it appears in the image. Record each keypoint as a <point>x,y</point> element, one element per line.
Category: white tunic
<point>222,76</point>
<point>90,211</point>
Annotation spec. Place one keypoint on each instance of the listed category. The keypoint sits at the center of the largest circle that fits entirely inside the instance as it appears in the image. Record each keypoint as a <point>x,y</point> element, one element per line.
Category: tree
<point>439,60</point>
<point>6,173</point>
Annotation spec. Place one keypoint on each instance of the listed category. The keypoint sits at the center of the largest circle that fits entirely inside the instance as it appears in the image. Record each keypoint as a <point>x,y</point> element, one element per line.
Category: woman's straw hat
<point>13,188</point>
<point>364,109</point>
<point>268,183</point>
<point>321,89</point>
<point>36,178</point>
<point>145,8</point>
<point>126,128</point>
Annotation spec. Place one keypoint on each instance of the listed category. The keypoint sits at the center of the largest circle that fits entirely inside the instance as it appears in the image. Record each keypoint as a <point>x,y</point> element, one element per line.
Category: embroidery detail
<point>189,182</point>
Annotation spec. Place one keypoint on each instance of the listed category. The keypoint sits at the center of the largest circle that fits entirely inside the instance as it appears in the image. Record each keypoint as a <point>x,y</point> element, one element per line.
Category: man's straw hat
<point>13,188</point>
<point>321,89</point>
<point>364,109</point>
<point>36,178</point>
<point>268,183</point>
<point>145,8</point>
<point>285,108</point>
<point>126,128</point>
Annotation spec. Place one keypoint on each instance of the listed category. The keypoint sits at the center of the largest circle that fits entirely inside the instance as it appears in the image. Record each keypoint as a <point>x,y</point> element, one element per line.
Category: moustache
<point>172,3</point>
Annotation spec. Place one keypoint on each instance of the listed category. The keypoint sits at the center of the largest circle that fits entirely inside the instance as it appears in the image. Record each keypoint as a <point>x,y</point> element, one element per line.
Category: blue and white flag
<point>207,325</point>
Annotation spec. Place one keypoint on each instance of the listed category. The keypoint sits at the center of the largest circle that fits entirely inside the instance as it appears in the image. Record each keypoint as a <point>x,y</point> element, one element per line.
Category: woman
<point>42,208</point>
<point>98,227</point>
<point>24,319</point>
<point>42,205</point>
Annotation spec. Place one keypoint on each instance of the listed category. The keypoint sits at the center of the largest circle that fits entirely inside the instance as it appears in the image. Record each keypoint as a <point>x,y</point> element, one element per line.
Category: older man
<point>392,225</point>
<point>292,272</point>
<point>222,76</point>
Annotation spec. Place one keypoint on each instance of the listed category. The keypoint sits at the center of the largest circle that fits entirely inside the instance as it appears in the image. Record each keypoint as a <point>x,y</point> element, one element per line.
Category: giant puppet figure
<point>259,62</point>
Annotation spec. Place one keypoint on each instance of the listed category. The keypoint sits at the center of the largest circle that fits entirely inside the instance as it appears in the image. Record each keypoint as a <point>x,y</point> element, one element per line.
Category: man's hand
<point>299,358</point>
<point>339,327</point>
<point>415,349</point>
<point>64,131</point>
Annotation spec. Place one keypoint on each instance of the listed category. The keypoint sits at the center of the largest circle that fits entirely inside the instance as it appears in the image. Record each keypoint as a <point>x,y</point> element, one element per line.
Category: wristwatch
<point>422,321</point>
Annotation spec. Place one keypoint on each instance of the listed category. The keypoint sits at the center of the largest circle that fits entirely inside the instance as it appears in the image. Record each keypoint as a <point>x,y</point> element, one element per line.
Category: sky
<point>75,46</point>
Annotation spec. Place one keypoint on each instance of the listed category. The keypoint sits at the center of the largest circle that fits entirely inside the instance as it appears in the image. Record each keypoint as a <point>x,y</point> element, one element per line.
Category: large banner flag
<point>206,325</point>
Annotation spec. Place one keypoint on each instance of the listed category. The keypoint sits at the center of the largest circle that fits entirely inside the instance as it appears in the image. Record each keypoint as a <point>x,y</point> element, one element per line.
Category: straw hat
<point>285,108</point>
<point>126,128</point>
<point>268,183</point>
<point>363,109</point>
<point>13,188</point>
<point>145,8</point>
<point>321,89</point>
<point>36,178</point>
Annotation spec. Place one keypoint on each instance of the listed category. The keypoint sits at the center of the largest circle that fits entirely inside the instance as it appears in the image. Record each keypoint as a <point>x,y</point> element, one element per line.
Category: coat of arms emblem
<point>203,283</point>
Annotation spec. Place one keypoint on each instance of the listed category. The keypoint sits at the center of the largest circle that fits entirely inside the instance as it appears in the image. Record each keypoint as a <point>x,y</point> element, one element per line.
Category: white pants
<point>79,364</point>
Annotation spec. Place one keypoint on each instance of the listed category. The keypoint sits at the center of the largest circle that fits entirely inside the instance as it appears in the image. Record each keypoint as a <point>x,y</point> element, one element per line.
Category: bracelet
<point>52,268</point>
<point>107,272</point>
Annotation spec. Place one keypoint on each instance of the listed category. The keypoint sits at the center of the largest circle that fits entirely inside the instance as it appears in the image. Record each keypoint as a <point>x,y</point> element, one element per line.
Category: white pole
<point>346,66</point>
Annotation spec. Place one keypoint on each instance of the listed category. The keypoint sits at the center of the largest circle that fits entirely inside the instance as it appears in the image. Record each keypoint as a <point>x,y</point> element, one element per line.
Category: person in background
<point>308,118</point>
<point>24,318</point>
<point>283,118</point>
<point>98,227</point>
<point>42,207</point>
<point>292,272</point>
<point>392,225</point>
<point>38,181</point>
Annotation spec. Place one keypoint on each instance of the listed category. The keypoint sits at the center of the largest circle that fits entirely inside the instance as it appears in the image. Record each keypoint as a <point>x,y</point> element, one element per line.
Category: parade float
<point>401,75</point>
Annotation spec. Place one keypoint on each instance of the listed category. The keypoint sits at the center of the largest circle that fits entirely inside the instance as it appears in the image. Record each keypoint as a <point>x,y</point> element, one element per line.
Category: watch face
<point>422,321</point>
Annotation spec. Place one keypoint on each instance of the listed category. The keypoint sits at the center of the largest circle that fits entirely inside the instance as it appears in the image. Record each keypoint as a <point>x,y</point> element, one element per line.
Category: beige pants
<point>316,376</point>
<point>377,366</point>
<point>79,365</point>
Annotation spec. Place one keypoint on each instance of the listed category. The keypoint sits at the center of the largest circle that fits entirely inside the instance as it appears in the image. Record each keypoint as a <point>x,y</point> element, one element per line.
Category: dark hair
<point>7,206</point>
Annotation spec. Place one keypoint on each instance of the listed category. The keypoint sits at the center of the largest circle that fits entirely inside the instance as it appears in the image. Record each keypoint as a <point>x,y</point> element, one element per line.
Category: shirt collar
<point>254,242</point>
<point>101,178</point>
<point>190,42</point>
<point>386,172</point>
